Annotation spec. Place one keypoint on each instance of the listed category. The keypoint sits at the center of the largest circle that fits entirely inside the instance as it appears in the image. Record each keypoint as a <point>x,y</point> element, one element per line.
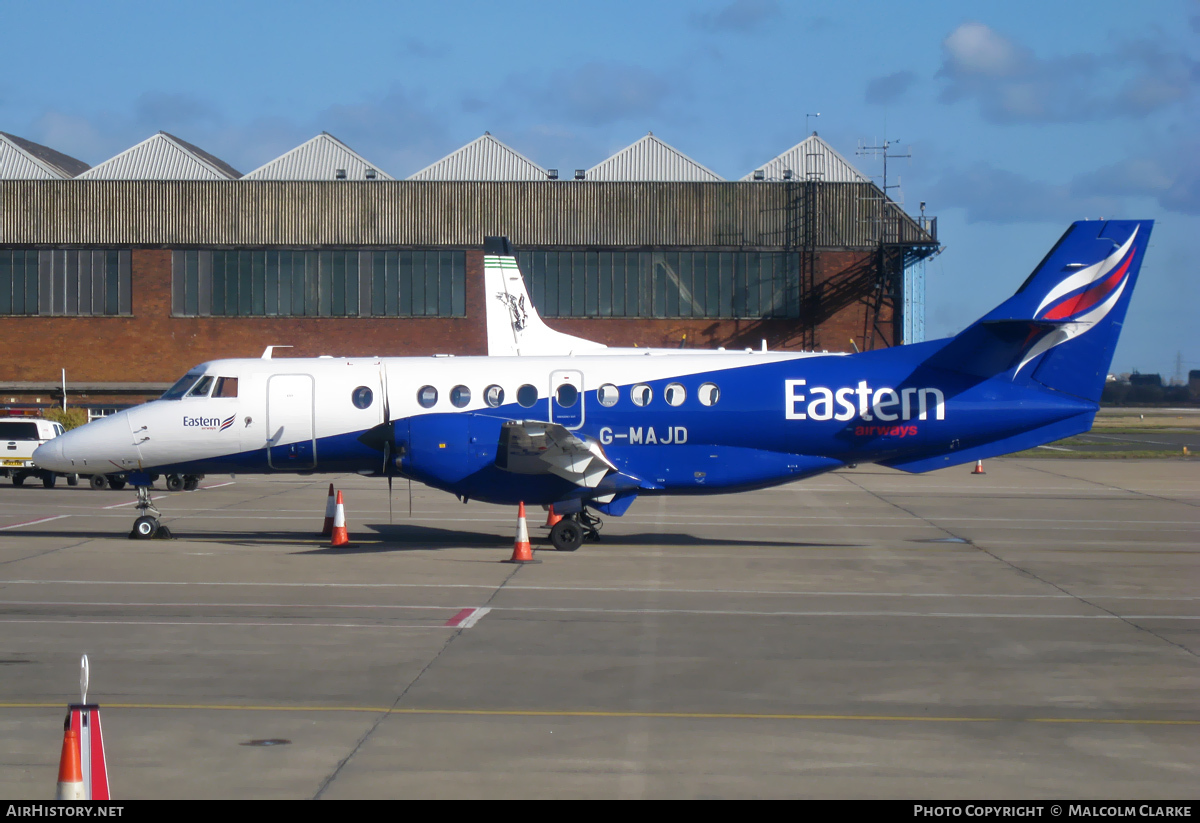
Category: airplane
<point>548,418</point>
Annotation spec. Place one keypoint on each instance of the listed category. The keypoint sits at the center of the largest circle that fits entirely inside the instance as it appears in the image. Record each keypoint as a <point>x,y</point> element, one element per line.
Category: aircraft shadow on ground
<point>400,537</point>
<point>394,537</point>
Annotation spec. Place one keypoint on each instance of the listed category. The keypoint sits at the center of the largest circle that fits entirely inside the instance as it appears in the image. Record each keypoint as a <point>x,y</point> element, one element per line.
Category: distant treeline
<point>1132,394</point>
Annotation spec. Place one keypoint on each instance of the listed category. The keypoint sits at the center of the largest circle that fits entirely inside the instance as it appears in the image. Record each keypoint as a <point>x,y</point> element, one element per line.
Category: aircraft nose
<point>49,455</point>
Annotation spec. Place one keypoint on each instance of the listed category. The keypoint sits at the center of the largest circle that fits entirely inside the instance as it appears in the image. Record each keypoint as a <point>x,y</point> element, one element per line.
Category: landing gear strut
<point>147,527</point>
<point>569,533</point>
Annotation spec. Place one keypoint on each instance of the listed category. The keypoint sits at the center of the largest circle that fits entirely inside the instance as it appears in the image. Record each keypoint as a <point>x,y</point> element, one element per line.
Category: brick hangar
<point>126,274</point>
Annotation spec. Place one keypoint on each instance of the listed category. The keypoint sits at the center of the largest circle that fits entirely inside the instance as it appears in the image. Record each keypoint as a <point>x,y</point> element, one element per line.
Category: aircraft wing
<point>537,447</point>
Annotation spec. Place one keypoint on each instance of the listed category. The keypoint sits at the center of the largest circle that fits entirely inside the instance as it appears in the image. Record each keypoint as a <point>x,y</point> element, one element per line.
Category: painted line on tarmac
<point>132,502</point>
<point>33,522</point>
<point>606,611</point>
<point>618,715</point>
<point>219,485</point>
<point>467,618</point>
<point>574,589</point>
<point>207,624</point>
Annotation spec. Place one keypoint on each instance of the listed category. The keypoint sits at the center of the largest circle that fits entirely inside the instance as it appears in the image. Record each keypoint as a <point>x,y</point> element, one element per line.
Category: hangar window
<point>641,394</point>
<point>327,283</point>
<point>65,282</point>
<point>527,395</point>
<point>674,394</point>
<point>663,283</point>
<point>427,397</point>
<point>709,394</point>
<point>460,396</point>
<point>494,396</point>
<point>608,394</point>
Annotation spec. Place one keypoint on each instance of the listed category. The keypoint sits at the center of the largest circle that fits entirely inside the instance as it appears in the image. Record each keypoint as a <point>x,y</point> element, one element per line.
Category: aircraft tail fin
<point>1061,327</point>
<point>513,324</point>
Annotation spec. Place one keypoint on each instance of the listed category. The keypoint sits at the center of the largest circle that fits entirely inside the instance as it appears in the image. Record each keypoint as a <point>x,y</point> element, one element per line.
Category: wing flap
<point>537,447</point>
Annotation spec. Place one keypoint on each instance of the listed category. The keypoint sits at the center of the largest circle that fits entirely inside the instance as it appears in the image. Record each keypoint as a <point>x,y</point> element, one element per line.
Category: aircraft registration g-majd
<point>547,418</point>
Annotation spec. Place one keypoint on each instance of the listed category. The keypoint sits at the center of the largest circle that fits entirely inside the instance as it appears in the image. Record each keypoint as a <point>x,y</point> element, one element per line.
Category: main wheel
<point>19,479</point>
<point>174,483</point>
<point>144,528</point>
<point>48,481</point>
<point>190,482</point>
<point>566,536</point>
<point>117,483</point>
<point>72,480</point>
<point>98,481</point>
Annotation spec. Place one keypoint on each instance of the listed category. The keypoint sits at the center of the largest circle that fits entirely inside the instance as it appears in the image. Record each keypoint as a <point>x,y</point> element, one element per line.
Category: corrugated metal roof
<point>650,159</point>
<point>319,159</point>
<point>162,157</point>
<point>811,159</point>
<point>483,159</point>
<point>22,159</point>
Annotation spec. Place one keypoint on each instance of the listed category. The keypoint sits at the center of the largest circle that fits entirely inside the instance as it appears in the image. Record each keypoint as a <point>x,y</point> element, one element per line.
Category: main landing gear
<point>569,533</point>
<point>147,527</point>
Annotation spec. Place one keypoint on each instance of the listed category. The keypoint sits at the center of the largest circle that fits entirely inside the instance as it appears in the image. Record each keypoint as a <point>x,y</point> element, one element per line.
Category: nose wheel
<point>569,533</point>
<point>147,527</point>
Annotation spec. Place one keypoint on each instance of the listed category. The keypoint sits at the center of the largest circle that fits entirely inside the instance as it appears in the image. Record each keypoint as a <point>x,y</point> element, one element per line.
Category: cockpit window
<point>226,387</point>
<point>180,389</point>
<point>202,387</point>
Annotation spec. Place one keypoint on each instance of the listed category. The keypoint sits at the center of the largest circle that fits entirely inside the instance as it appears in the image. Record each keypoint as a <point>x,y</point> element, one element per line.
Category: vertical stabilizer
<point>513,324</point>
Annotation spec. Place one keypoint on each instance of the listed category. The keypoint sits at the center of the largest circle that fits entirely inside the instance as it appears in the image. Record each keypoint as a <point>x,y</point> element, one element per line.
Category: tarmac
<point>1031,632</point>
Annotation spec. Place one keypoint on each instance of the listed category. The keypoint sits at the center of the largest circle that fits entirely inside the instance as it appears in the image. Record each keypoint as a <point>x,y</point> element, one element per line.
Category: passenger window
<point>427,397</point>
<point>608,394</point>
<point>567,395</point>
<point>494,396</point>
<point>362,397</point>
<point>641,394</point>
<point>201,388</point>
<point>460,396</point>
<point>709,394</point>
<point>527,395</point>
<point>226,387</point>
<point>674,394</point>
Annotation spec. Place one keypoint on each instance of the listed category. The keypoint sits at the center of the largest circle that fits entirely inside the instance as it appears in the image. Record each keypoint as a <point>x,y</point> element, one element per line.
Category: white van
<point>19,436</point>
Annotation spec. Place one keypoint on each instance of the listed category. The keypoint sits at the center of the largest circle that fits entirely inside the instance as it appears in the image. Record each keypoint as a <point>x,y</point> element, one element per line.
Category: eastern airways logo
<point>804,402</point>
<point>1083,299</point>
<point>208,423</point>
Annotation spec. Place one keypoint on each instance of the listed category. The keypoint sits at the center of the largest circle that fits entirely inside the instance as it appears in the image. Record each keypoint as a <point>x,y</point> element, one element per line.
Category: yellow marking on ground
<point>567,713</point>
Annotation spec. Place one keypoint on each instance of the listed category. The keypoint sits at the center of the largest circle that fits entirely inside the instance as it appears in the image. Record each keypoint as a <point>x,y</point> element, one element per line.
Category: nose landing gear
<point>147,527</point>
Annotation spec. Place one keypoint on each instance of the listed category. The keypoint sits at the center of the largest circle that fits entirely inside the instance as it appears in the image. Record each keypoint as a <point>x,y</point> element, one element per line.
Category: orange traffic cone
<point>70,772</point>
<point>338,537</point>
<point>330,505</point>
<point>522,551</point>
<point>978,468</point>
<point>552,518</point>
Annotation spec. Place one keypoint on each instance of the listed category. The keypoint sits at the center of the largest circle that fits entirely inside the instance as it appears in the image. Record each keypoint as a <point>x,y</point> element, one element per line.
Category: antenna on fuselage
<point>266,355</point>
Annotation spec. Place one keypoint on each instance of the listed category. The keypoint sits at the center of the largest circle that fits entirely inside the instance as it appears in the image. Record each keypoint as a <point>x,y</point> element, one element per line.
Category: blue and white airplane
<point>548,418</point>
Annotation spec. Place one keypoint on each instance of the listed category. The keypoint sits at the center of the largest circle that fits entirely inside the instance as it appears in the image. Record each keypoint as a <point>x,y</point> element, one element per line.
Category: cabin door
<point>291,443</point>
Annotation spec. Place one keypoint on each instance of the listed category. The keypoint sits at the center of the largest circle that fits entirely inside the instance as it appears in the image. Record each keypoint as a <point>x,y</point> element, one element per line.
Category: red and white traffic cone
<point>70,773</point>
<point>338,537</point>
<point>522,550</point>
<point>330,505</point>
<point>978,468</point>
<point>552,518</point>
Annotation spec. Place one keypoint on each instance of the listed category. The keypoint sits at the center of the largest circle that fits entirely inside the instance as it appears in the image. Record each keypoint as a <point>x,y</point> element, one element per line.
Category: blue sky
<point>1020,116</point>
